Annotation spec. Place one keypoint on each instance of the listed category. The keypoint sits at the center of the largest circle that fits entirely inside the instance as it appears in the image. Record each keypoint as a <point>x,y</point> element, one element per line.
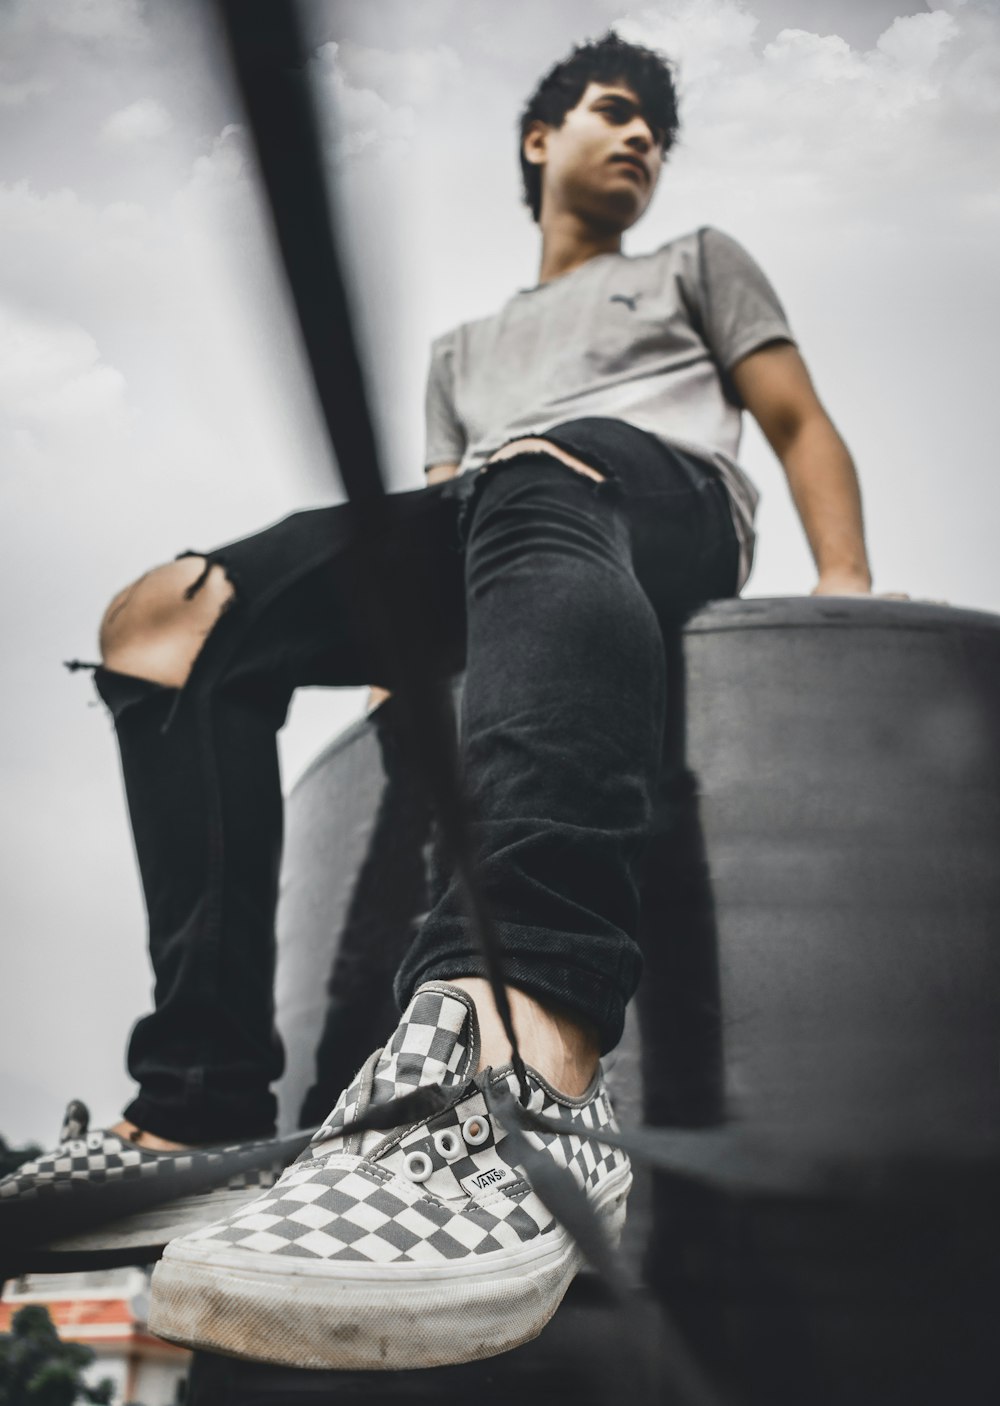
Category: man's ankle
<point>149,1141</point>
<point>561,1047</point>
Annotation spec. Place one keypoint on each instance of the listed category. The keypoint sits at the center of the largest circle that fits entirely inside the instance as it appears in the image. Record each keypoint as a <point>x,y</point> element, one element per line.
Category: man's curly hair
<point>609,59</point>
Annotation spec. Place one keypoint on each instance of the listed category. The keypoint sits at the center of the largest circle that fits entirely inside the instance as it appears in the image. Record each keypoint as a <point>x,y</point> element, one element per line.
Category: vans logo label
<point>485,1180</point>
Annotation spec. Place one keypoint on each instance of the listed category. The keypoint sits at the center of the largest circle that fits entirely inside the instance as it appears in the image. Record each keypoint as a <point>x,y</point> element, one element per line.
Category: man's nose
<point>641,138</point>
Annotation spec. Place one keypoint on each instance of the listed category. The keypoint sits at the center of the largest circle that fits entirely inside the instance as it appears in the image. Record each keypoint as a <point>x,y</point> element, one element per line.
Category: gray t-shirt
<point>648,340</point>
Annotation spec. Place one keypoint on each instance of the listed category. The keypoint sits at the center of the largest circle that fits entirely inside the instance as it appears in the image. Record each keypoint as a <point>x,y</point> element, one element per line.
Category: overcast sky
<point>151,389</point>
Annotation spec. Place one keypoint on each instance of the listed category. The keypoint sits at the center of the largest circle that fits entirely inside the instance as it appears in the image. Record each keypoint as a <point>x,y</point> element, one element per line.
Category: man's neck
<point>568,242</point>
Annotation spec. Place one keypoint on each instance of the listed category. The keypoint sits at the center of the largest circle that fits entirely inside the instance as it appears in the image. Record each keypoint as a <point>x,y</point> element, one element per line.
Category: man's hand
<point>842,583</point>
<point>845,583</point>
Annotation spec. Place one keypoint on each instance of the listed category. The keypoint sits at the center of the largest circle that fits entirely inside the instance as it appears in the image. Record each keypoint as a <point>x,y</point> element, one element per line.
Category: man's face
<point>603,162</point>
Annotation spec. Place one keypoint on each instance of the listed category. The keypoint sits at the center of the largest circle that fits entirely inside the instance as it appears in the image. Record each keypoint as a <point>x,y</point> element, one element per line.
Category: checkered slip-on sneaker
<point>100,1157</point>
<point>416,1248</point>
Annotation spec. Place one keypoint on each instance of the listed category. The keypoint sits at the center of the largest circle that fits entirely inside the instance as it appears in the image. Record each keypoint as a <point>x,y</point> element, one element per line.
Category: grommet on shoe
<point>448,1144</point>
<point>476,1130</point>
<point>418,1166</point>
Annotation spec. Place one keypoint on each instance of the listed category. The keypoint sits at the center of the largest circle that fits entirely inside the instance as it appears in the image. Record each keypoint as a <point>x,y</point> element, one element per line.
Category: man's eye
<point>618,113</point>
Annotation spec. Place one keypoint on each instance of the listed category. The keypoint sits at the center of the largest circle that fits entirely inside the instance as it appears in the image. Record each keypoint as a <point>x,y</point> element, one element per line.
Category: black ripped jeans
<point>552,591</point>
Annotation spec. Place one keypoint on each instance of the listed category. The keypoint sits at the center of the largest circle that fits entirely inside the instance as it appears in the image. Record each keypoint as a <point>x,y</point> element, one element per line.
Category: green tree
<point>38,1369</point>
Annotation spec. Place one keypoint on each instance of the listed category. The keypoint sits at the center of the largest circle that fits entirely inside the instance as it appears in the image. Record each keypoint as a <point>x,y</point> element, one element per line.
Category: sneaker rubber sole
<point>370,1316</point>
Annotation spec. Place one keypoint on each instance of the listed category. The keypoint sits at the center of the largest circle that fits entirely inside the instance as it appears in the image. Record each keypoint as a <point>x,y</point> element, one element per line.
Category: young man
<point>583,498</point>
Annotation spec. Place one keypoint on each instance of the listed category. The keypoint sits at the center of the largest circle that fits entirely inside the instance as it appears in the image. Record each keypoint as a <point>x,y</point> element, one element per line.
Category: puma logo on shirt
<point>629,300</point>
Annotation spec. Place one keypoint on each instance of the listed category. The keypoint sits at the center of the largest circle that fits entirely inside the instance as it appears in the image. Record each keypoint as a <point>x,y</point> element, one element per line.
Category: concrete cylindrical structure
<point>823,970</point>
<point>846,757</point>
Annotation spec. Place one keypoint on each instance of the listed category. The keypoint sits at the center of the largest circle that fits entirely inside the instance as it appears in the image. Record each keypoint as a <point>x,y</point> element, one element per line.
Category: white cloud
<point>64,422</point>
<point>223,166</point>
<point>97,20</point>
<point>409,77</point>
<point>374,94</point>
<point>362,122</point>
<point>916,42</point>
<point>140,122</point>
<point>977,66</point>
<point>13,94</point>
<point>706,37</point>
<point>807,123</point>
<point>68,257</point>
<point>991,7</point>
<point>52,376</point>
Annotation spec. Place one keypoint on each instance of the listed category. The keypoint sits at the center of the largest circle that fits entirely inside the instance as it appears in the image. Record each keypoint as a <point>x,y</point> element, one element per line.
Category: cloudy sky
<point>151,388</point>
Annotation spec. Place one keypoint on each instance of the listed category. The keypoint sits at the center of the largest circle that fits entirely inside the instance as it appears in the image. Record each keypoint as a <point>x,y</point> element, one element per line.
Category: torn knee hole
<point>209,565</point>
<point>197,584</point>
<point>156,628</point>
<point>533,445</point>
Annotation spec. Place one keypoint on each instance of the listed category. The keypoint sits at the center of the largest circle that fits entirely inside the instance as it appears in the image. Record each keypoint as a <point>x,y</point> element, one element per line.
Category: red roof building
<point>106,1310</point>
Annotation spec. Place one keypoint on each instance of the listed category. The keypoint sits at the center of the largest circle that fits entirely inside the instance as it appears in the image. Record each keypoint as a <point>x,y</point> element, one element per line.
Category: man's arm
<point>775,386</point>
<point>439,472</point>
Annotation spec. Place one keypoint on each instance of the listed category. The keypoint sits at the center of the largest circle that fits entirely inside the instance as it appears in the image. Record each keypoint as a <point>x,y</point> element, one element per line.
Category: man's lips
<point>634,161</point>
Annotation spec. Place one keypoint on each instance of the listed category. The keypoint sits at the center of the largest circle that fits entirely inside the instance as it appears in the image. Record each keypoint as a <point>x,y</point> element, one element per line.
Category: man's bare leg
<point>150,1141</point>
<point>151,631</point>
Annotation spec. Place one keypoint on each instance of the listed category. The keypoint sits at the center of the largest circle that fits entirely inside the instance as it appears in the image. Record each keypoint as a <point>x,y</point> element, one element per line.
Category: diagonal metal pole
<point>270,59</point>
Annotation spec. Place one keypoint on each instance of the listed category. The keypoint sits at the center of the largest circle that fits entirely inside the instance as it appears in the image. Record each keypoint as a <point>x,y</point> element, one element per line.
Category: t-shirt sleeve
<point>740,310</point>
<point>445,437</point>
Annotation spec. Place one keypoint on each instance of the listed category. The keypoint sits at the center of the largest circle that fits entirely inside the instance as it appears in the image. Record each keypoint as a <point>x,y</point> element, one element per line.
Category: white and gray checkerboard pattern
<point>338,1205</point>
<point>354,1097</point>
<point>427,1047</point>
<point>431,1045</point>
<point>102,1156</point>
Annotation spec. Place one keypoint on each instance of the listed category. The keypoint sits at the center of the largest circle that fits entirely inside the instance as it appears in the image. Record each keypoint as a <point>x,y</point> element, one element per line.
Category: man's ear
<point>535,145</point>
